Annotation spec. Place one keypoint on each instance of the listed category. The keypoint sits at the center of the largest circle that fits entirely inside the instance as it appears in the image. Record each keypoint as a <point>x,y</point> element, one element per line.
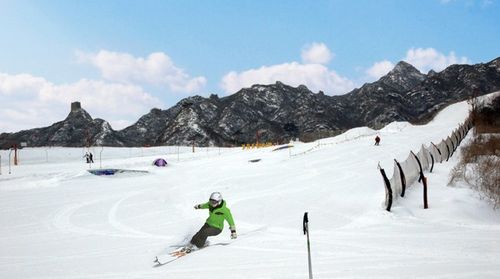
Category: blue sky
<point>122,58</point>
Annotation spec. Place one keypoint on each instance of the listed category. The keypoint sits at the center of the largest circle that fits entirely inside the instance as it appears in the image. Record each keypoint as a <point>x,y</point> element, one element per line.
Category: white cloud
<point>426,59</point>
<point>156,69</point>
<point>28,102</point>
<point>315,76</point>
<point>380,69</point>
<point>311,73</point>
<point>316,53</point>
<point>22,84</point>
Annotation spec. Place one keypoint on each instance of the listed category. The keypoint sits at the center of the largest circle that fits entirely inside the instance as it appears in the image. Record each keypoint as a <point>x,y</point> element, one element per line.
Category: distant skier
<point>87,157</point>
<point>91,157</point>
<point>218,212</point>
<point>377,140</point>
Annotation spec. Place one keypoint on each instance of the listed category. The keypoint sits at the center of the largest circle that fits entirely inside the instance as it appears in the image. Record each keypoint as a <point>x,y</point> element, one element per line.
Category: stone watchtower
<point>75,106</point>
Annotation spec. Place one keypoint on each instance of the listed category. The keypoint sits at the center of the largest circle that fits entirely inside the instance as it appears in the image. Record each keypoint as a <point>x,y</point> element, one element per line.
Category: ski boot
<point>187,249</point>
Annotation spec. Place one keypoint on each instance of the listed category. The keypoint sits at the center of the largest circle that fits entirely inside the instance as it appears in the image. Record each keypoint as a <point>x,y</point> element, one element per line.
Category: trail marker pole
<point>100,157</point>
<point>10,152</point>
<point>305,225</point>
<point>15,154</point>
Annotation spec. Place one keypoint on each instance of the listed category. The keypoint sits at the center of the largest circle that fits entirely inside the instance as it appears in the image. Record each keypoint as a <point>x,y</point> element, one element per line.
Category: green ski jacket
<point>218,214</point>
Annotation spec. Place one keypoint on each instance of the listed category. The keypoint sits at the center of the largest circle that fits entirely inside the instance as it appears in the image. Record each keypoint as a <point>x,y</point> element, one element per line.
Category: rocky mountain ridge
<point>277,112</point>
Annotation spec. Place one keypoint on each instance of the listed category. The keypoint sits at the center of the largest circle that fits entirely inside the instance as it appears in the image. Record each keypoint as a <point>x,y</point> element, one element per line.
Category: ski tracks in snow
<point>63,219</point>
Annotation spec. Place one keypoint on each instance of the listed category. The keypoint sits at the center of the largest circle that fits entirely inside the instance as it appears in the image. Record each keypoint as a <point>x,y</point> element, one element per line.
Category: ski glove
<point>233,234</point>
<point>198,206</point>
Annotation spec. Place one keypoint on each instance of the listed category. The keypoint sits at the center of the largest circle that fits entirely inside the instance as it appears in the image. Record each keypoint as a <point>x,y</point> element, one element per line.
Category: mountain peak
<point>79,114</point>
<point>403,76</point>
<point>431,73</point>
<point>404,67</point>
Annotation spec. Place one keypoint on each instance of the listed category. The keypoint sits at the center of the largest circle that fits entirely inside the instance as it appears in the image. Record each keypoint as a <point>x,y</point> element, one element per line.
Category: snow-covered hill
<point>59,221</point>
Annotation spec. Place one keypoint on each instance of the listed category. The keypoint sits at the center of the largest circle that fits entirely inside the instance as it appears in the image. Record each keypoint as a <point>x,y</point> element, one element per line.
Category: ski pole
<point>305,225</point>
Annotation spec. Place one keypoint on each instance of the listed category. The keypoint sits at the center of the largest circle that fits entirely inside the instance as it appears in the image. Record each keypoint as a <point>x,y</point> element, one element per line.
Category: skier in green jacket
<point>218,212</point>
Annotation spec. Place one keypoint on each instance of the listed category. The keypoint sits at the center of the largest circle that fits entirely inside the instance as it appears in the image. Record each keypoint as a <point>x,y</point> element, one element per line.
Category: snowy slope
<point>59,221</point>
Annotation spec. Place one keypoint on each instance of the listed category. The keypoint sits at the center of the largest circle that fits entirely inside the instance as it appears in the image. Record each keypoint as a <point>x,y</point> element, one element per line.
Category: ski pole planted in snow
<point>305,225</point>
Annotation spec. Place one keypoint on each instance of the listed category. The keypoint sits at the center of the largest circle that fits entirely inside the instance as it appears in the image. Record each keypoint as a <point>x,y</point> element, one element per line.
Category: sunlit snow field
<point>59,221</point>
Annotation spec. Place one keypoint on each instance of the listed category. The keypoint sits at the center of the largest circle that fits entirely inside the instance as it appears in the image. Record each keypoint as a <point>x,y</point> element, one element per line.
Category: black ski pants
<point>201,236</point>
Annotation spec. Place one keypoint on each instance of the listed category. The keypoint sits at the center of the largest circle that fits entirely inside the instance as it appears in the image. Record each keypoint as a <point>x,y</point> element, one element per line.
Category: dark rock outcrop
<point>78,129</point>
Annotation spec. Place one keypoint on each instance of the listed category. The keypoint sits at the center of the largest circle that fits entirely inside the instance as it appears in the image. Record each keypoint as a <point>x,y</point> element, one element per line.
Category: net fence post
<point>426,204</point>
<point>432,158</point>
<point>403,178</point>
<point>387,183</point>
<point>448,149</point>
<point>422,179</point>
<point>439,151</point>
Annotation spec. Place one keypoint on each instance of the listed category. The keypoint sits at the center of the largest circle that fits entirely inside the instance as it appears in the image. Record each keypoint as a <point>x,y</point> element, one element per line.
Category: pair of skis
<point>170,257</point>
<point>179,253</point>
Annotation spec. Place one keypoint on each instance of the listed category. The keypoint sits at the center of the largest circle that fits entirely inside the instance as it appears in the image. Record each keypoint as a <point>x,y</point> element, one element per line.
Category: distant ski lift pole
<point>305,225</point>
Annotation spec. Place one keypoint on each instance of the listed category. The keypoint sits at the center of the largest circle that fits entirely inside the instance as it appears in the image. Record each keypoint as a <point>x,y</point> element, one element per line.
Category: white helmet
<point>215,199</point>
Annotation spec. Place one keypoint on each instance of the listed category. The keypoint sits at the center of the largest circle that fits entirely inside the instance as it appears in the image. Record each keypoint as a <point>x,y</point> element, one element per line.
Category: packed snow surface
<point>59,221</point>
